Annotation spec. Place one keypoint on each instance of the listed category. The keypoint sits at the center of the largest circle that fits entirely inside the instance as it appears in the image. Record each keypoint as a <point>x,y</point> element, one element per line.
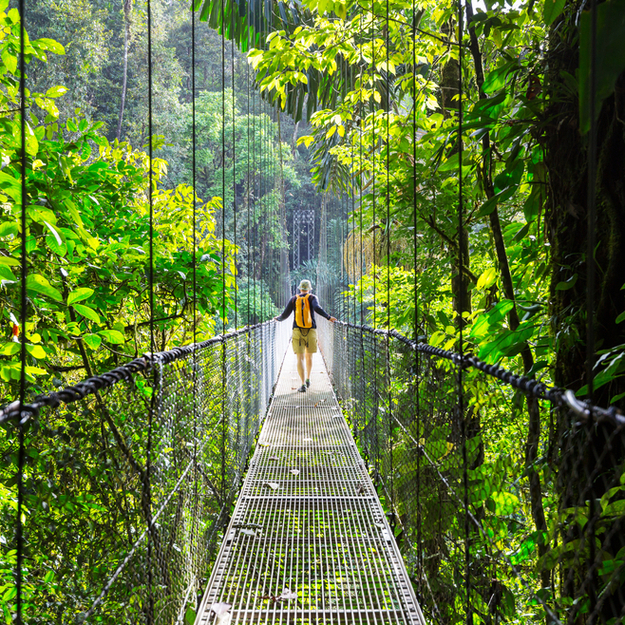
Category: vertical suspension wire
<point>194,183</point>
<point>362,136</point>
<point>253,189</point>
<point>415,252</point>
<point>223,253</point>
<point>148,468</point>
<point>21,454</point>
<point>223,171</point>
<point>373,193</point>
<point>360,185</point>
<point>237,395</point>
<point>389,413</point>
<point>591,277</point>
<point>461,416</point>
<point>351,213</point>
<point>234,184</point>
<point>251,383</point>
<point>270,178</point>
<point>351,229</point>
<point>374,228</point>
<point>343,308</point>
<point>282,195</point>
<point>248,194</point>
<point>194,527</point>
<point>269,185</point>
<point>592,209</point>
<point>259,196</point>
<point>260,199</point>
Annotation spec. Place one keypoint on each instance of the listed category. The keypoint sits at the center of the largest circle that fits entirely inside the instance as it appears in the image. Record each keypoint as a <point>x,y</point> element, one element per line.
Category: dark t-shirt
<point>314,307</point>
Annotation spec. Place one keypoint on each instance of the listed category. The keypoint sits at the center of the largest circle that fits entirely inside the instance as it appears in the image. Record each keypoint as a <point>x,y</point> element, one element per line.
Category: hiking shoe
<point>302,388</point>
<point>307,382</point>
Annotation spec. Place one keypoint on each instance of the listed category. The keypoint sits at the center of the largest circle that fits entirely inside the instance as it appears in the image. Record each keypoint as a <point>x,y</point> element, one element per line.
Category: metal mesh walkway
<point>308,541</point>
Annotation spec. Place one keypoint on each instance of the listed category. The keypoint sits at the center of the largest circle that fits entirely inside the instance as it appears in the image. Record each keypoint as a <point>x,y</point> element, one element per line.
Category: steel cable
<point>22,410</point>
<point>147,486</point>
<point>460,317</point>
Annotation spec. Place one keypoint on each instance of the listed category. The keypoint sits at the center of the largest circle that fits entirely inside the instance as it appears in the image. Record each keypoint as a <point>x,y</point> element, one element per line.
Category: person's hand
<point>332,319</point>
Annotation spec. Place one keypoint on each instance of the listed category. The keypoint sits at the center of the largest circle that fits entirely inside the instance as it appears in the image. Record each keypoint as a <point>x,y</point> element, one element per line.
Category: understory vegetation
<point>449,183</point>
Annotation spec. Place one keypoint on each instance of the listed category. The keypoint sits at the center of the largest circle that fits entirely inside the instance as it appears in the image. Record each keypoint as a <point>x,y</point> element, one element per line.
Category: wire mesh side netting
<point>126,494</point>
<point>506,507</point>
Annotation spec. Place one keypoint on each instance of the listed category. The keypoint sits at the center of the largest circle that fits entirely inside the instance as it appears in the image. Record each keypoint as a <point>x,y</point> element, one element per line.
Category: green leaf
<point>488,207</point>
<point>489,106</point>
<point>36,351</point>
<point>56,235</point>
<point>56,92</point>
<point>491,319</point>
<point>6,274</point>
<point>507,343</point>
<point>53,244</point>
<point>610,56</point>
<point>32,145</point>
<point>620,318</point>
<point>79,295</point>
<point>86,151</point>
<point>496,78</point>
<point>8,228</point>
<point>87,312</point>
<point>10,349</point>
<point>93,341</point>
<point>11,186</point>
<point>567,284</point>
<point>112,336</point>
<point>9,61</point>
<point>522,233</point>
<point>531,207</point>
<point>551,10</point>
<point>39,284</point>
<point>487,279</point>
<point>50,44</point>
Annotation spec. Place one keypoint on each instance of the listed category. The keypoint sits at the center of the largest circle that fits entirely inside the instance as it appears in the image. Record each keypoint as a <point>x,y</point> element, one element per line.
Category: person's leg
<point>309,357</point>
<point>300,366</point>
<point>311,348</point>
<point>298,349</point>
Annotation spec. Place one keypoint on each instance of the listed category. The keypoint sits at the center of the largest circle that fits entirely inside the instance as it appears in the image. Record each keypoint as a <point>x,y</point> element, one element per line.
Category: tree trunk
<point>590,460</point>
<point>566,159</point>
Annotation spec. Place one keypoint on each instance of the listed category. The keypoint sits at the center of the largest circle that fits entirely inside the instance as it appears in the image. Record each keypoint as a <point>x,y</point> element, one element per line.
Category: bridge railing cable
<point>90,505</point>
<point>530,524</point>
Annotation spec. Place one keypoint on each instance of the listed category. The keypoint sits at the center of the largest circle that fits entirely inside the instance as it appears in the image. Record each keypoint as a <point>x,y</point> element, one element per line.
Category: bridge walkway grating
<point>308,541</point>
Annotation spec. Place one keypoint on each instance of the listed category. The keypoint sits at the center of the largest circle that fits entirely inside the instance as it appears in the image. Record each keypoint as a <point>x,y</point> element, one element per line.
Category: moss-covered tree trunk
<point>588,466</point>
<point>566,157</point>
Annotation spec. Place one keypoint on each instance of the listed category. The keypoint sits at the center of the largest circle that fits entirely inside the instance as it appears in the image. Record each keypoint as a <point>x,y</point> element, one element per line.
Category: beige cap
<point>304,285</point>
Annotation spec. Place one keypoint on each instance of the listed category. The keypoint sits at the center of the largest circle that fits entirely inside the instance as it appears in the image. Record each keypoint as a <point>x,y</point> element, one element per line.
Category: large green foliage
<point>91,270</point>
<point>110,253</point>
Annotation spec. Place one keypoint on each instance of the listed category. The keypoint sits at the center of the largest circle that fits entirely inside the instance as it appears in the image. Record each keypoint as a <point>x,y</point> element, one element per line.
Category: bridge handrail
<point>584,409</point>
<point>125,372</point>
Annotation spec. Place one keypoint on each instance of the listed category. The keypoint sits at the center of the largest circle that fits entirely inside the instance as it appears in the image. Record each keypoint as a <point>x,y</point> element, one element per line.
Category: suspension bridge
<point>313,534</point>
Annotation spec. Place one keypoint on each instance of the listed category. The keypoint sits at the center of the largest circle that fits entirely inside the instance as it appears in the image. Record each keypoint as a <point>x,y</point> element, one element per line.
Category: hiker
<point>305,305</point>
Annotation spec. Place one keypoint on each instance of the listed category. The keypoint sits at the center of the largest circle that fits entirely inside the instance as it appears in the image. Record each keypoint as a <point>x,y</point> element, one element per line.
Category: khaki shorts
<point>304,340</point>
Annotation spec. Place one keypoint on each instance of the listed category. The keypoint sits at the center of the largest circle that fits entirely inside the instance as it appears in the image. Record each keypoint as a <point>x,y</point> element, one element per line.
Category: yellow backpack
<point>303,316</point>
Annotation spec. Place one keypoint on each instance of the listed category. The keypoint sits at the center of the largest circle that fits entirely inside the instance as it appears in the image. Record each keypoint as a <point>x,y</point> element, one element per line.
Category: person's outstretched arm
<point>286,313</point>
<point>323,313</point>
